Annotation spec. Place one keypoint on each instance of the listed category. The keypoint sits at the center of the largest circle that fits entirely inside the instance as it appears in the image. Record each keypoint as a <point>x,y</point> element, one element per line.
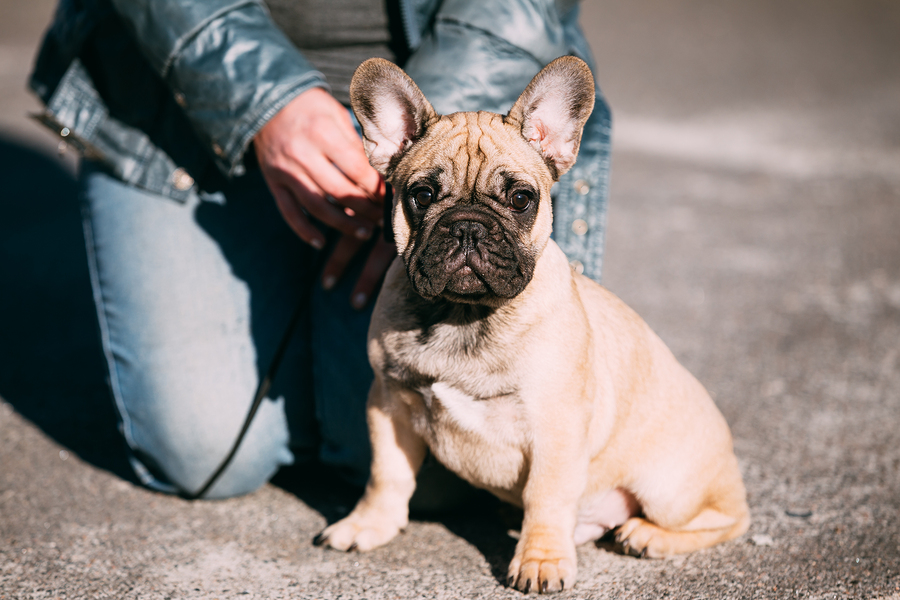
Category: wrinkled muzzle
<point>468,256</point>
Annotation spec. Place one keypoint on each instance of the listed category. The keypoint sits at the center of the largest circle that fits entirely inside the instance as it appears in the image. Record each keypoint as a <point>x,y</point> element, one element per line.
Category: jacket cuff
<point>233,76</point>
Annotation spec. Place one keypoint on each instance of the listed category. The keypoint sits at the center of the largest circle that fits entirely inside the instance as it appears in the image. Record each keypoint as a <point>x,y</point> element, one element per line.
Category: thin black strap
<point>263,388</point>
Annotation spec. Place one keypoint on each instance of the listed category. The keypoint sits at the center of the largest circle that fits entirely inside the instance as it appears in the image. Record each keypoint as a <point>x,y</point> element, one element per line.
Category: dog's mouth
<point>468,256</point>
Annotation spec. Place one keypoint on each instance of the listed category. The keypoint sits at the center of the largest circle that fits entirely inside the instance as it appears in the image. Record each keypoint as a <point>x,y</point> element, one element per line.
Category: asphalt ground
<point>755,224</point>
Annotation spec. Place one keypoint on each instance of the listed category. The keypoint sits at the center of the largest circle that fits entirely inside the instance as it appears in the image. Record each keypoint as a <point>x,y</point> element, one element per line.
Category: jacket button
<point>582,187</point>
<point>218,150</point>
<point>180,99</point>
<point>64,132</point>
<point>181,180</point>
<point>579,226</point>
<point>577,266</point>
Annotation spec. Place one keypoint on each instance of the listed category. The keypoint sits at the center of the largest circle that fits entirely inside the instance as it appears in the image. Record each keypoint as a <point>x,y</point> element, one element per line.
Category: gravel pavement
<point>755,224</point>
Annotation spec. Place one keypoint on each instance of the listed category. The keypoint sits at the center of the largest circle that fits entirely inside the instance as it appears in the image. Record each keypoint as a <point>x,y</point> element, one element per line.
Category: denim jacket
<point>168,94</point>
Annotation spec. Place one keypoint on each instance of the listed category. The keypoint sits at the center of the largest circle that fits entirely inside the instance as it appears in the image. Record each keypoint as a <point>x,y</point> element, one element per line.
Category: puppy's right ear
<point>392,110</point>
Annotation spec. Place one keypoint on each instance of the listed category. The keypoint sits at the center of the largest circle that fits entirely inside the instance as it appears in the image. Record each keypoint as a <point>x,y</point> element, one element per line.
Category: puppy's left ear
<point>553,109</point>
<point>390,107</point>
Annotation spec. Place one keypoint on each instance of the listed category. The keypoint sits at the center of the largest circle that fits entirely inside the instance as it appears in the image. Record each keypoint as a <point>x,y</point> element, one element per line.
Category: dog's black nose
<point>469,233</point>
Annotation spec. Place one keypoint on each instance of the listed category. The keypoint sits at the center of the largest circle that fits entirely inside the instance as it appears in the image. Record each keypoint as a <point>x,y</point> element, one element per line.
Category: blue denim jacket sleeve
<point>227,65</point>
<point>480,56</point>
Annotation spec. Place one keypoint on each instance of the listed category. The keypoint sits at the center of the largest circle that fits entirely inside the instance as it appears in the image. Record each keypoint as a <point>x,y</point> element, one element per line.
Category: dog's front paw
<point>542,567</point>
<point>358,532</point>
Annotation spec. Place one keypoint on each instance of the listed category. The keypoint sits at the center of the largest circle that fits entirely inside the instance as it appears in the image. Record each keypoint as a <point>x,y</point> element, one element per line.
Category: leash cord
<point>266,382</point>
<point>262,389</point>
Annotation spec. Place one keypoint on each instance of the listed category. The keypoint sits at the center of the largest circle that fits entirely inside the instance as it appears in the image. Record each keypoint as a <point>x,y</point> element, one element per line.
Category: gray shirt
<point>335,35</point>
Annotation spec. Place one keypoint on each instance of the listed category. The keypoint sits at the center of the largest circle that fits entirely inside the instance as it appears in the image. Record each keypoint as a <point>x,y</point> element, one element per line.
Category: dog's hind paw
<point>639,537</point>
<point>635,538</point>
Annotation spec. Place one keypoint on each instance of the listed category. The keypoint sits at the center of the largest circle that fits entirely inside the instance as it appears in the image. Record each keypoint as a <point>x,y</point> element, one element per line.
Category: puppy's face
<point>472,206</point>
<point>472,209</point>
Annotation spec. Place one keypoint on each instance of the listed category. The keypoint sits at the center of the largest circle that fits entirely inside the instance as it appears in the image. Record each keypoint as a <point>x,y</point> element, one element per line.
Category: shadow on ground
<point>51,367</point>
<point>473,515</point>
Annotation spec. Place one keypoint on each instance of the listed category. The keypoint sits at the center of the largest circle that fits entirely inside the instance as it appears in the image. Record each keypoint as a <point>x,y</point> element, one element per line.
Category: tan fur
<point>476,146</point>
<point>560,400</point>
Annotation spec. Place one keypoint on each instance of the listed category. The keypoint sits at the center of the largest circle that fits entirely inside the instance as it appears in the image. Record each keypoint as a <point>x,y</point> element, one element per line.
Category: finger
<point>366,209</point>
<point>380,258</point>
<point>346,151</point>
<point>344,251</point>
<point>329,177</point>
<point>352,161</point>
<point>295,217</point>
<point>316,204</point>
<point>334,183</point>
<point>376,207</point>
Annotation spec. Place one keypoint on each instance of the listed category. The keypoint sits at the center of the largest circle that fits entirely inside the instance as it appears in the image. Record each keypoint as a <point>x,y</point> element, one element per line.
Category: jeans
<point>193,299</point>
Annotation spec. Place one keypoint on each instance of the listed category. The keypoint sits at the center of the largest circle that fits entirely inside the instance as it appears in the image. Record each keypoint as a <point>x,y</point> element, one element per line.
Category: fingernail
<point>363,233</point>
<point>359,300</point>
<point>328,281</point>
<point>317,243</point>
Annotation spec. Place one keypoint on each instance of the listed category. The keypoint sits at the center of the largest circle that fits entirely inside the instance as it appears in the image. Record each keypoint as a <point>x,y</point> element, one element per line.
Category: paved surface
<point>755,225</point>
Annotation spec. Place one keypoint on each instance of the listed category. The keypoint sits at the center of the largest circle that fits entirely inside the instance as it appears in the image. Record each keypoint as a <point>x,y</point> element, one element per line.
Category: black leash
<point>266,382</point>
<point>263,387</point>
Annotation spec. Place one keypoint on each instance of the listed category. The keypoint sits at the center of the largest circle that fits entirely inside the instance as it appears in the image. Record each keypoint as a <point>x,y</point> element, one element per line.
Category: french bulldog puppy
<point>520,375</point>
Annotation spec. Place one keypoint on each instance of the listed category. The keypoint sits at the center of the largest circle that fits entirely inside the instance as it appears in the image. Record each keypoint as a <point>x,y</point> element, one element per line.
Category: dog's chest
<point>490,418</point>
<point>470,412</point>
<point>482,439</point>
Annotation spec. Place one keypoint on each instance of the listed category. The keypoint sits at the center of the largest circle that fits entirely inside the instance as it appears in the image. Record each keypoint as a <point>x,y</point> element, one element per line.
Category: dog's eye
<point>520,200</point>
<point>422,196</point>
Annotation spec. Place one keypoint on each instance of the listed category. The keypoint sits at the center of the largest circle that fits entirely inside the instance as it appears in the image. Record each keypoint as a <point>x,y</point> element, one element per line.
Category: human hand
<point>314,164</point>
<point>380,258</point>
